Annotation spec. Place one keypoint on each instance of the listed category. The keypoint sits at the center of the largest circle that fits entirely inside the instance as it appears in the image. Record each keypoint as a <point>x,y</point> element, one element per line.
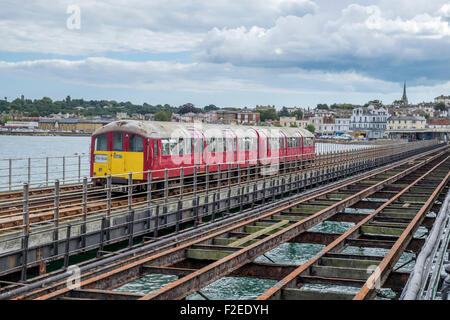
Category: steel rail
<point>382,272</point>
<point>208,274</point>
<point>243,223</point>
<point>234,227</point>
<point>339,243</point>
<point>163,243</point>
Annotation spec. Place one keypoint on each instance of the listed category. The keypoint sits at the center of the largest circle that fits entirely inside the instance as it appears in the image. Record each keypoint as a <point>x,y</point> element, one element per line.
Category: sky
<point>231,53</point>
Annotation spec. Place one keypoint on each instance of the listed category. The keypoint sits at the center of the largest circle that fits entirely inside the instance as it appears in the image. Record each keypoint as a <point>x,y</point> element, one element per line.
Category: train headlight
<point>101,158</point>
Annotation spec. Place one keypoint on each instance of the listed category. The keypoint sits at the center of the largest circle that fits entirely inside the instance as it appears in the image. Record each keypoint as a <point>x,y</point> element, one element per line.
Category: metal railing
<point>42,172</point>
<point>96,216</point>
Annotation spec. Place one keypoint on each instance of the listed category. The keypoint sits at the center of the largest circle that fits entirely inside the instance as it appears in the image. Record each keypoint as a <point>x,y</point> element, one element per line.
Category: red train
<point>122,147</point>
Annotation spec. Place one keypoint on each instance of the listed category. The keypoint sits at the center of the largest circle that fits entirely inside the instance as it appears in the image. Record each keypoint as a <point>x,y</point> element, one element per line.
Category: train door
<point>263,150</point>
<point>198,146</point>
<point>134,159</point>
<point>299,145</point>
<point>230,149</point>
<point>117,160</point>
<point>283,147</point>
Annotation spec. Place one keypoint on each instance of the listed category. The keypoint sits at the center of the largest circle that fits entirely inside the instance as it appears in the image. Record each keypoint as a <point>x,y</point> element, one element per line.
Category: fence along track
<point>234,256</point>
<point>41,204</point>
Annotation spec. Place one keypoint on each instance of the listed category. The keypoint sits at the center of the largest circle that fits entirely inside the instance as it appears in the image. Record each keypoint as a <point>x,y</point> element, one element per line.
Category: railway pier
<point>202,228</point>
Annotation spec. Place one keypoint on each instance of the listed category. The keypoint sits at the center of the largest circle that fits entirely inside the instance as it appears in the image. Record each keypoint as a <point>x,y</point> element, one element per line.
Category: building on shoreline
<point>72,125</point>
<point>369,122</point>
<point>406,122</point>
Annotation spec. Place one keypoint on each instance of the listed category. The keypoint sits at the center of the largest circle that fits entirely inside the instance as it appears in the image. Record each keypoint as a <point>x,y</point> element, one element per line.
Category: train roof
<point>165,130</point>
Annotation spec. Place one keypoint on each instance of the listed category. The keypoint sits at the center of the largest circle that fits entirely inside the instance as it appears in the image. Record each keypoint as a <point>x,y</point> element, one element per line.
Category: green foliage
<point>376,103</point>
<point>322,106</point>
<point>294,125</point>
<point>188,107</point>
<point>4,120</point>
<point>284,112</point>
<point>163,115</point>
<point>45,107</point>
<point>209,108</point>
<point>440,107</point>
<point>269,114</point>
<point>311,128</point>
<point>298,114</point>
<point>344,106</point>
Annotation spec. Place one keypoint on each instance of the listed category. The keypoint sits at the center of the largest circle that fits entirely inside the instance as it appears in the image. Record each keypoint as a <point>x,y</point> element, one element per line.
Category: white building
<point>317,122</point>
<point>444,99</point>
<point>342,125</point>
<point>370,121</point>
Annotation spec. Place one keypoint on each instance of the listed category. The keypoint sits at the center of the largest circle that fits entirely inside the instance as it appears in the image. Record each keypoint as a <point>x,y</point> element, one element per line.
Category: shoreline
<point>66,134</point>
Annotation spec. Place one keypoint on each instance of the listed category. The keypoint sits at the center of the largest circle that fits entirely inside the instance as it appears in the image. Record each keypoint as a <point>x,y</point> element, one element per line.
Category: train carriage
<point>122,147</point>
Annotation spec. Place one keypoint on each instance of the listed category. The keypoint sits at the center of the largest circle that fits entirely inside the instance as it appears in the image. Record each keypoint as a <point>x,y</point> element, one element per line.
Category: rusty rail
<point>234,258</point>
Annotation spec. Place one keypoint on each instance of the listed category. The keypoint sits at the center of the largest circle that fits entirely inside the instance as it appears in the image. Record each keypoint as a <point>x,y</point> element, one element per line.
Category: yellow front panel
<point>117,161</point>
<point>134,162</point>
<point>120,163</point>
<point>101,168</point>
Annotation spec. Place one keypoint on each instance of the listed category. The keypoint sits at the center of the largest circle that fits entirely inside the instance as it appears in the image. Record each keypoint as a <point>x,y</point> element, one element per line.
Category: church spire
<point>404,98</point>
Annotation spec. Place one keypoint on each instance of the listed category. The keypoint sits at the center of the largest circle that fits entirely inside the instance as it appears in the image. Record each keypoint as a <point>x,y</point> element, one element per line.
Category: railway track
<point>231,248</point>
<point>41,203</point>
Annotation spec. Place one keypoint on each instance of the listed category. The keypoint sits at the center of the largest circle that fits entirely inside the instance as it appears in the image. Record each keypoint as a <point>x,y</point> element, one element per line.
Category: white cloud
<point>163,75</point>
<point>117,25</point>
<point>287,46</point>
<point>362,38</point>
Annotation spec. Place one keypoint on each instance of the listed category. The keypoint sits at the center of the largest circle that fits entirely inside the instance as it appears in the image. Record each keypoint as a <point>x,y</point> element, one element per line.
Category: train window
<point>219,145</point>
<point>156,147</point>
<point>211,145</point>
<point>275,143</point>
<point>293,142</point>
<point>118,141</point>
<point>136,144</point>
<point>235,144</point>
<point>173,145</point>
<point>248,143</point>
<point>101,142</point>
<point>165,147</point>
<point>198,146</point>
<point>188,146</point>
<point>184,146</point>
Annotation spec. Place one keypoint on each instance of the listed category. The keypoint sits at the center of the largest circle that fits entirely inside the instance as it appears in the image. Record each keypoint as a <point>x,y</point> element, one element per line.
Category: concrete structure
<point>121,115</point>
<point>73,125</point>
<point>226,116</point>
<point>21,125</point>
<point>369,122</point>
<point>287,121</point>
<point>406,122</point>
